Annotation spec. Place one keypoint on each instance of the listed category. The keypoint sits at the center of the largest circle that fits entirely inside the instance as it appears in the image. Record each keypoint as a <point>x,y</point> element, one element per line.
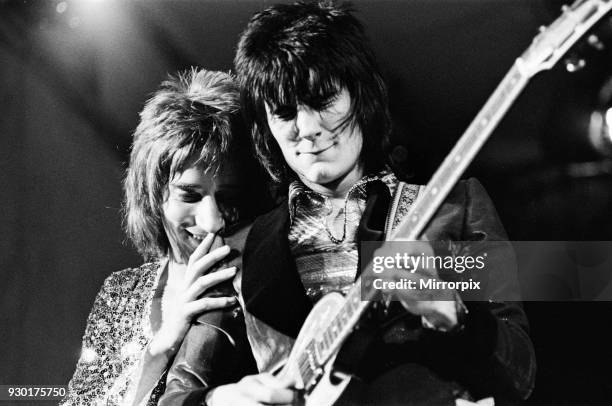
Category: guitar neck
<point>550,46</point>
<point>544,52</point>
<point>461,155</point>
<point>357,299</point>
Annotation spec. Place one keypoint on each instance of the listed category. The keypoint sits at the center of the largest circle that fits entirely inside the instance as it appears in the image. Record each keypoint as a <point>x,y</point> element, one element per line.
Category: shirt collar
<point>297,189</point>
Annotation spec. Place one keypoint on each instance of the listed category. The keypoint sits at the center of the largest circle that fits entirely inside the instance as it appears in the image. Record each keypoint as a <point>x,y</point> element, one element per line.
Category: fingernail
<point>224,249</point>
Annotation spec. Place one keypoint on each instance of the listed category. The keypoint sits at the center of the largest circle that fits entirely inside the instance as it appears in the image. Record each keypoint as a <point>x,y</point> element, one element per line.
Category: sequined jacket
<point>117,333</point>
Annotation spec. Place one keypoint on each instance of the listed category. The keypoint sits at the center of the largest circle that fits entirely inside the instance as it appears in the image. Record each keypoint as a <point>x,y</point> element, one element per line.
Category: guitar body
<point>330,384</point>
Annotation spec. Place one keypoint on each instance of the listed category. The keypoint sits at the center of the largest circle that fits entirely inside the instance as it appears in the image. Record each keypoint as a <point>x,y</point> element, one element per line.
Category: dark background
<point>73,80</point>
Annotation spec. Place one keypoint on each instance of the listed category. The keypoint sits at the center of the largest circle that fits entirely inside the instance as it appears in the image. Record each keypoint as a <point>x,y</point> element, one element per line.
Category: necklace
<point>331,214</point>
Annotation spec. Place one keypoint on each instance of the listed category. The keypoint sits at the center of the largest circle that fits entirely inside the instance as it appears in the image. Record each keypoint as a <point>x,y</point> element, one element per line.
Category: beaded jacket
<point>116,336</point>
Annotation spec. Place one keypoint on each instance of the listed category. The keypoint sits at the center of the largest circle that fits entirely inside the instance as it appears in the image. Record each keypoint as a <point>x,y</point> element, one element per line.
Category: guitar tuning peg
<point>574,64</point>
<point>541,28</point>
<point>565,8</point>
<point>594,41</point>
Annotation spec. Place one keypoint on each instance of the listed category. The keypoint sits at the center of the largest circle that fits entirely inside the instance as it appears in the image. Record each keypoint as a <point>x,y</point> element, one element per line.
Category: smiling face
<point>318,145</point>
<point>190,212</point>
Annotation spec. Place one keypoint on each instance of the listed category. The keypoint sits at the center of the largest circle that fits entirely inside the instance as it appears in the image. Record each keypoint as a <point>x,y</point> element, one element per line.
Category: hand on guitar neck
<point>438,307</point>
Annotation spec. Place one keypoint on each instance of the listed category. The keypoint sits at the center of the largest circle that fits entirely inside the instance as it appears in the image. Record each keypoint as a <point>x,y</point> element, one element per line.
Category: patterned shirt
<point>322,240</point>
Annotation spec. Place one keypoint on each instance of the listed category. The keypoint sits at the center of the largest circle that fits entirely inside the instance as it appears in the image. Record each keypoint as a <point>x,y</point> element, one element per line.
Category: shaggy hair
<point>304,54</point>
<point>188,121</point>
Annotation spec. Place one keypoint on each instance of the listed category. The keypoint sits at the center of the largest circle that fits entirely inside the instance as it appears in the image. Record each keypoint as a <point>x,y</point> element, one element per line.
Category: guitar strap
<point>371,228</point>
<point>372,224</point>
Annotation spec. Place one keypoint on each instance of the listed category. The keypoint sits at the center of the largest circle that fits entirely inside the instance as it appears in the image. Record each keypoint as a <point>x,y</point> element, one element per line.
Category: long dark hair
<point>305,53</point>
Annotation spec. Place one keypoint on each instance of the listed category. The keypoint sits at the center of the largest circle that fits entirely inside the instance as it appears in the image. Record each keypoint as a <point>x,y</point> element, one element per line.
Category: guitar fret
<point>320,350</point>
<point>352,305</point>
<point>334,329</point>
<point>305,372</point>
<point>307,363</point>
<point>328,338</point>
<point>311,360</point>
<point>344,316</point>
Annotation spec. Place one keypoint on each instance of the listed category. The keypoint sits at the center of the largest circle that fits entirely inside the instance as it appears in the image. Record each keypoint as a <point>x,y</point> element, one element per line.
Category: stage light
<point>61,7</point>
<point>94,16</point>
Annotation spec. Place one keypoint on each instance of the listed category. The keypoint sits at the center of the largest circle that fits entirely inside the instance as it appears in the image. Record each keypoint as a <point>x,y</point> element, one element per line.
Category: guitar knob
<point>594,41</point>
<point>565,8</point>
<point>574,64</point>
<point>541,28</point>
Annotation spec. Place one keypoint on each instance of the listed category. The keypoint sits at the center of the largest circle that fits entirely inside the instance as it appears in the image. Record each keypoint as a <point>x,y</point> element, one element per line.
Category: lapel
<point>372,223</point>
<point>271,286</point>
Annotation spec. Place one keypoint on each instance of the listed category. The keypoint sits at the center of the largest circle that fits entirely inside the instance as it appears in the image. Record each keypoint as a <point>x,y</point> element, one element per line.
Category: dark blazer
<point>405,363</point>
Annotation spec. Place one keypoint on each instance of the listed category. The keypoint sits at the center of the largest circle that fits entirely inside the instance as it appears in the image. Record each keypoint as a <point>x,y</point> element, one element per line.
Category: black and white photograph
<point>313,202</point>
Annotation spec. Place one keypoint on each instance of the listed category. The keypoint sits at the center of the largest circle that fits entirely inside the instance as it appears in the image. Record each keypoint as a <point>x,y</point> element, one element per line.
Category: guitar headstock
<point>556,39</point>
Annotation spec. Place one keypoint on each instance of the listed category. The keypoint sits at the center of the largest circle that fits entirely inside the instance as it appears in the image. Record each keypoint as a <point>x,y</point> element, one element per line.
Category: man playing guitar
<point>317,105</point>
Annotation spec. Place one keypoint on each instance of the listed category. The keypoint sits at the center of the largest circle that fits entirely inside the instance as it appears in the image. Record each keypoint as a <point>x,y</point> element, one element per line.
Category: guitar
<point>330,322</point>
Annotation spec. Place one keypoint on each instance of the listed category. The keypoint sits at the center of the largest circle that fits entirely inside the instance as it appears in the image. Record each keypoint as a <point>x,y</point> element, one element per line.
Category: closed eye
<point>285,113</point>
<point>189,193</point>
<point>190,197</point>
<point>324,104</point>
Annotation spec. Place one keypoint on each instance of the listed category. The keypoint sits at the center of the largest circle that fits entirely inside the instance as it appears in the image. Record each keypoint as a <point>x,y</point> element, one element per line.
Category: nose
<point>308,123</point>
<point>208,216</point>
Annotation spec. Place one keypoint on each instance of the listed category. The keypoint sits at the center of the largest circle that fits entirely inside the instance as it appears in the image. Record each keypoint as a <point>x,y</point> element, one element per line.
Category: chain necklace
<point>327,227</point>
